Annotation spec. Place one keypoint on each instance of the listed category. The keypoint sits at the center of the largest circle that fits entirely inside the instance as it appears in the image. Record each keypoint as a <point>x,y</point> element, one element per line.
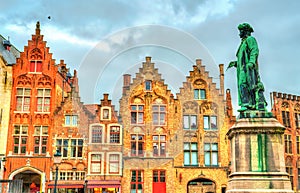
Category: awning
<point>103,184</point>
<point>67,184</point>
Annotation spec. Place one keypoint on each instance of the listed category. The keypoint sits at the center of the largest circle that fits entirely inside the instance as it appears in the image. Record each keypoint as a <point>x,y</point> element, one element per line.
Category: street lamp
<point>3,163</point>
<point>57,161</point>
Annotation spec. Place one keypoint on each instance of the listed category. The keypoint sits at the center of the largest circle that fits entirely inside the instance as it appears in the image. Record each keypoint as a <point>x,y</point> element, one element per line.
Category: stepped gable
<point>148,72</point>
<point>200,78</point>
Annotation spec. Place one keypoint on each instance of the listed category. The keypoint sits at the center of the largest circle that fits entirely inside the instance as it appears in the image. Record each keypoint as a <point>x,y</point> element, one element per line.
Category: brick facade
<point>286,109</point>
<point>158,143</point>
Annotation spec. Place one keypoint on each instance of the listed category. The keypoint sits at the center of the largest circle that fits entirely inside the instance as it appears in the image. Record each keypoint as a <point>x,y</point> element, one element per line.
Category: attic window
<point>148,85</point>
<point>35,66</point>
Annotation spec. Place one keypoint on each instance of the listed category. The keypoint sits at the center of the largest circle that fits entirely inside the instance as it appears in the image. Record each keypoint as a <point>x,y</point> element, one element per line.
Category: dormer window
<point>71,120</point>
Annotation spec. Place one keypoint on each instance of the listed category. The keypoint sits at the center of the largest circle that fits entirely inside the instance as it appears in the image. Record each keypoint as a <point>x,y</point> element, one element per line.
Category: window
<point>40,139</point>
<point>159,145</point>
<point>106,113</point>
<point>69,175</point>
<point>298,176</point>
<point>298,144</point>
<point>210,122</point>
<point>70,147</point>
<point>114,163</point>
<point>96,163</point>
<point>159,181</point>
<point>190,122</point>
<point>79,175</point>
<point>76,148</point>
<point>20,139</point>
<point>148,85</point>
<point>297,120</point>
<point>43,100</point>
<point>23,99</point>
<point>137,145</point>
<point>289,170</point>
<point>199,94</point>
<point>136,184</point>
<point>211,154</point>
<point>159,176</point>
<point>137,114</point>
<point>190,154</point>
<point>288,144</point>
<point>71,120</point>
<point>114,134</point>
<point>159,114</point>
<point>286,118</point>
<point>96,134</point>
<point>35,66</point>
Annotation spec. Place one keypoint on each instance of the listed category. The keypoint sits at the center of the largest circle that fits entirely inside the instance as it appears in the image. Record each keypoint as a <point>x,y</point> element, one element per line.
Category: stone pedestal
<point>257,155</point>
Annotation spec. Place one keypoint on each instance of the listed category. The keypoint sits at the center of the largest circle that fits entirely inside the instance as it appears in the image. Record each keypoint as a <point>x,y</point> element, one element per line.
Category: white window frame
<point>108,163</point>
<point>108,116</point>
<point>23,96</point>
<point>90,163</point>
<point>43,97</point>
<point>91,133</point>
<point>120,135</point>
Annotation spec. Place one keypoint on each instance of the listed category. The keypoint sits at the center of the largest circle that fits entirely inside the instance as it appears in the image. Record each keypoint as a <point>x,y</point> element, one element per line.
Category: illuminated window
<point>23,99</point>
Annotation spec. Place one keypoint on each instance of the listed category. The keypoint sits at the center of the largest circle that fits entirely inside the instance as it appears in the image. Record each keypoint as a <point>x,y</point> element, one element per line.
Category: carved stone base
<point>257,155</point>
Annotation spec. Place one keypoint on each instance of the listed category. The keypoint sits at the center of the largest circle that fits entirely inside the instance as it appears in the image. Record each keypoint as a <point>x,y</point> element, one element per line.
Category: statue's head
<point>245,30</point>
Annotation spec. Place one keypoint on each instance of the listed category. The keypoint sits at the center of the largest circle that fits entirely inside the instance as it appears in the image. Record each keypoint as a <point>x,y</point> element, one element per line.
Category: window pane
<point>193,121</point>
<point>186,122</point>
<point>186,158</point>
<point>194,158</point>
<point>186,146</point>
<point>206,122</point>
<point>214,147</point>
<point>213,122</point>
<point>207,158</point>
<point>202,94</point>
<point>196,94</point>
<point>194,146</point>
<point>214,158</point>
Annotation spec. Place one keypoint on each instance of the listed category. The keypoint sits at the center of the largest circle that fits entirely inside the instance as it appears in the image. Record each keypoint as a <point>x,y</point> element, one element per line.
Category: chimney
<point>221,68</point>
<point>126,82</point>
<point>148,59</point>
<point>198,63</point>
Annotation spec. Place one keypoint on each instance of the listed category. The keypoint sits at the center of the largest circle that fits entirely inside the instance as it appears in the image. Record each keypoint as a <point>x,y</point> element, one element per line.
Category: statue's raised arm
<point>250,88</point>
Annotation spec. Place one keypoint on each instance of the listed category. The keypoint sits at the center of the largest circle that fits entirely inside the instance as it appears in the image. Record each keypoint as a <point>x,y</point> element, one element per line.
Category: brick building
<point>70,131</point>
<point>38,87</point>
<point>104,170</point>
<point>8,55</point>
<point>174,145</point>
<point>286,109</point>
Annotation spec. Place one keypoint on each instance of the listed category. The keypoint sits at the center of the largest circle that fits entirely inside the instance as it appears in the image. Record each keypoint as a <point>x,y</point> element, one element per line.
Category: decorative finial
<point>37,25</point>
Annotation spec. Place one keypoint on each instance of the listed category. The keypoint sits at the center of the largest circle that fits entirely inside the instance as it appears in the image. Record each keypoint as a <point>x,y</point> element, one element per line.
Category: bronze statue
<point>250,88</point>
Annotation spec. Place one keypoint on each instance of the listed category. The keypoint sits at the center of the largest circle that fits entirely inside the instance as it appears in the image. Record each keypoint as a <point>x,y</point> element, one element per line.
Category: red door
<point>159,181</point>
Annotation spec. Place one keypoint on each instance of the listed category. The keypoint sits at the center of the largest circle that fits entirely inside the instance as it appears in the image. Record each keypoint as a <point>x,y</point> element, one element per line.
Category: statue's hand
<point>231,64</point>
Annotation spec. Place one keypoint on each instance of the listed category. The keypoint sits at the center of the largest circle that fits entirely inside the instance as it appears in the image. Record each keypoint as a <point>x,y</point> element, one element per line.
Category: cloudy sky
<point>105,39</point>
